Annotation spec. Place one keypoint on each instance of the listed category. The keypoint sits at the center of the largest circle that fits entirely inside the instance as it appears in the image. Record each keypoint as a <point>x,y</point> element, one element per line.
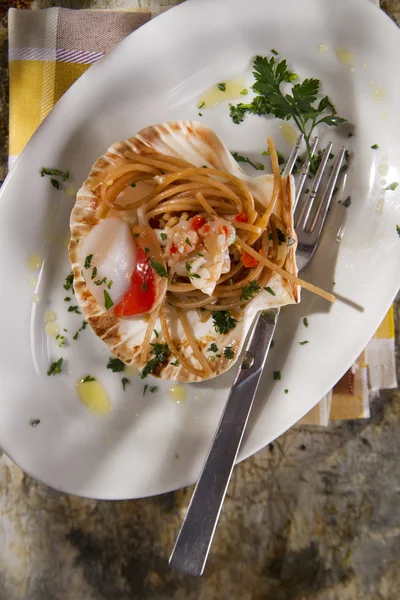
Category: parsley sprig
<point>161,354</point>
<point>223,321</point>
<point>301,104</point>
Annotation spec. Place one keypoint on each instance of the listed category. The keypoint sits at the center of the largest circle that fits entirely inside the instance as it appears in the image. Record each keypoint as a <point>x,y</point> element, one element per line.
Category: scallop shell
<point>200,146</point>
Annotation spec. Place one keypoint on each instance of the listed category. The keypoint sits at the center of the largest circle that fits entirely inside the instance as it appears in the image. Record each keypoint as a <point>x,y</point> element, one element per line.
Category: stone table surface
<point>315,515</point>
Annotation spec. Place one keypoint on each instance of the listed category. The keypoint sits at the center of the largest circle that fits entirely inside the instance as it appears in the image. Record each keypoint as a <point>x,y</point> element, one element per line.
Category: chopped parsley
<point>392,186</point>
<point>88,261</point>
<point>145,389</point>
<point>277,375</point>
<point>231,281</point>
<point>100,281</point>
<point>189,273</point>
<point>160,353</point>
<point>301,104</point>
<point>155,332</point>
<point>34,422</point>
<point>213,347</point>
<point>187,241</point>
<point>221,87</point>
<point>175,363</point>
<point>281,236</point>
<point>87,379</point>
<point>125,381</point>
<point>136,235</point>
<point>273,51</point>
<point>94,273</point>
<point>108,303</point>
<point>60,340</point>
<point>54,172</point>
<point>153,388</point>
<point>245,159</point>
<point>74,309</point>
<point>286,391</point>
<point>347,202</point>
<point>201,255</point>
<point>250,290</point>
<point>115,364</point>
<point>163,236</point>
<point>159,269</point>
<point>67,299</point>
<point>305,322</point>
<point>55,183</point>
<point>375,147</point>
<point>133,185</point>
<point>202,104</point>
<point>244,92</point>
<point>81,328</point>
<point>350,134</point>
<point>398,230</point>
<point>223,321</point>
<point>55,367</point>
<point>109,284</point>
<point>270,291</point>
<point>75,336</point>
<point>69,280</point>
<point>228,352</point>
<point>303,343</point>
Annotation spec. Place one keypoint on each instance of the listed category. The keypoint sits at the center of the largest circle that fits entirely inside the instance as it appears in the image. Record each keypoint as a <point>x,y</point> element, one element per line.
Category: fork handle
<point>194,540</point>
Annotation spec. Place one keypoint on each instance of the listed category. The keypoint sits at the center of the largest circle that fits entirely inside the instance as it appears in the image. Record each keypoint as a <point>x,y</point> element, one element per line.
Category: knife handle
<point>194,540</point>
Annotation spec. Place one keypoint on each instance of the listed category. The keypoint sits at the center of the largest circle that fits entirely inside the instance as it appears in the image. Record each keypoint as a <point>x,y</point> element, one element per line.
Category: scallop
<point>200,146</point>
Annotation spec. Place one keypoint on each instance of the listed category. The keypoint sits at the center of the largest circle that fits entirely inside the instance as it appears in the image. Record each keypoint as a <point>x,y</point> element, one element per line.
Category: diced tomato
<point>248,260</point>
<point>241,217</point>
<point>206,228</point>
<point>173,249</point>
<point>198,222</point>
<point>141,295</point>
<point>225,230</point>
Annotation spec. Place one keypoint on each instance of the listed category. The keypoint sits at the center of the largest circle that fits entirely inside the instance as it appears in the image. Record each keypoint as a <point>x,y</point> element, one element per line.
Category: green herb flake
<point>109,284</point>
<point>144,286</point>
<point>187,241</point>
<point>175,363</point>
<point>55,183</point>
<point>136,235</point>
<point>222,87</point>
<point>88,261</point>
<point>223,321</point>
<point>60,339</point>
<point>305,322</point>
<point>239,158</point>
<point>286,391</point>
<point>161,354</point>
<point>145,389</point>
<point>250,290</point>
<point>115,364</point>
<point>231,281</point>
<point>163,236</point>
<point>375,147</point>
<point>94,273</point>
<point>87,379</point>
<point>350,134</point>
<point>46,171</point>
<point>67,299</point>
<point>153,388</point>
<point>281,236</point>
<point>159,269</point>
<point>277,375</point>
<point>76,335</point>
<point>346,203</point>
<point>34,422</point>
<point>74,309</point>
<point>398,230</point>
<point>244,92</point>
<point>200,114</point>
<point>202,104</point>
<point>133,185</point>
<point>228,352</point>
<point>303,343</point>
<point>69,280</point>
<point>147,250</point>
<point>125,381</point>
<point>213,347</point>
<point>189,271</point>
<point>392,186</point>
<point>270,291</point>
<point>273,51</point>
<point>108,303</point>
<point>100,281</point>
<point>55,367</point>
<point>155,332</point>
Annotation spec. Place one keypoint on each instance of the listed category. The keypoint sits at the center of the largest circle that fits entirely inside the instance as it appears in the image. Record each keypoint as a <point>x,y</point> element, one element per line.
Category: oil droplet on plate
<point>131,371</point>
<point>36,298</point>
<point>378,93</point>
<point>70,191</point>
<point>323,48</point>
<point>93,395</point>
<point>52,329</point>
<point>34,262</point>
<point>215,95</point>
<point>383,169</point>
<point>289,133</point>
<point>380,205</point>
<point>177,392</point>
<point>49,316</point>
<point>345,56</point>
<point>383,115</point>
<point>32,280</point>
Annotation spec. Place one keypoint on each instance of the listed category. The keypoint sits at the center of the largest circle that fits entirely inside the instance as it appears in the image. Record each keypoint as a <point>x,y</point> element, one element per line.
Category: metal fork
<point>195,537</point>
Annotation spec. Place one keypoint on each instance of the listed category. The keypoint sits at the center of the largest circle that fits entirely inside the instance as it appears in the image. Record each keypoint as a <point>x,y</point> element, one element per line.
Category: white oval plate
<point>150,444</point>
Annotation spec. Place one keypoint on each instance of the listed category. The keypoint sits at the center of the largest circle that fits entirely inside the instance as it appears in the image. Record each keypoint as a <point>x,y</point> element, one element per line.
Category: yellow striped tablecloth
<point>48,50</point>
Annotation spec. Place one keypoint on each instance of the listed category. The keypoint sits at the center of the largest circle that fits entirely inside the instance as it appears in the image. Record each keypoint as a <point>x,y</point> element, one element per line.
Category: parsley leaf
<point>375,147</point>
<point>55,183</point>
<point>201,104</point>
<point>108,303</point>
<point>88,261</point>
<point>34,422</point>
<point>115,364</point>
<point>125,381</point>
<point>74,309</point>
<point>187,241</point>
<point>250,290</point>
<point>158,268</point>
<point>69,280</point>
<point>398,230</point>
<point>305,322</point>
<point>392,186</point>
<point>245,159</point>
<point>189,273</point>
<point>87,379</point>
<point>221,87</point>
<point>100,281</point>
<point>303,343</point>
<point>223,321</point>
<point>277,375</point>
<point>163,236</point>
<point>94,273</point>
<point>347,202</point>
<point>161,353</point>
<point>55,367</point>
<point>213,347</point>
<point>270,291</point>
<point>228,352</point>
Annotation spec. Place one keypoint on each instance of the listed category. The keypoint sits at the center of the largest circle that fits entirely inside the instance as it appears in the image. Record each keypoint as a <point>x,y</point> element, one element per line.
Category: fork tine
<point>304,171</point>
<point>293,156</point>
<point>320,216</point>
<point>301,215</point>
